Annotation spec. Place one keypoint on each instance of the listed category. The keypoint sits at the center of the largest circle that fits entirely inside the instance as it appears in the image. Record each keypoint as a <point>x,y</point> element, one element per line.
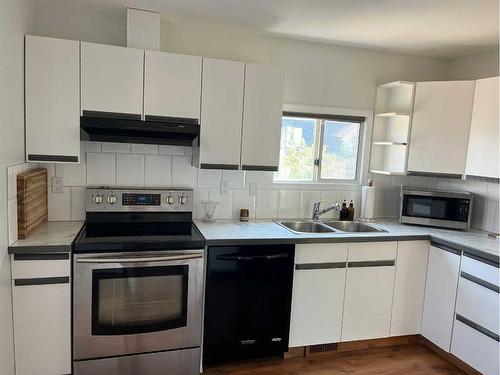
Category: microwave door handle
<point>251,257</point>
<point>140,259</point>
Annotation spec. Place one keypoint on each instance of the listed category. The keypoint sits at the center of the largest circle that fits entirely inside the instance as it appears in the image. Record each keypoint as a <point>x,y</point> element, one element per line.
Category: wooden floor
<point>405,359</point>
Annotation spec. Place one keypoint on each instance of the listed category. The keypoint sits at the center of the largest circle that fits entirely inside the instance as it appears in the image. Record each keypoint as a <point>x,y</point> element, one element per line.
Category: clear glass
<point>339,156</point>
<point>298,138</point>
<point>140,301</point>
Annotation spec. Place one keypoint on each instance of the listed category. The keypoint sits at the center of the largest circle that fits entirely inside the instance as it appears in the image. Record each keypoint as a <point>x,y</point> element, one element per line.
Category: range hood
<point>124,128</point>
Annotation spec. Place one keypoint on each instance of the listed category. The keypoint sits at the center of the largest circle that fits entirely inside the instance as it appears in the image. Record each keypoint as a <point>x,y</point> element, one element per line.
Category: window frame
<point>363,142</point>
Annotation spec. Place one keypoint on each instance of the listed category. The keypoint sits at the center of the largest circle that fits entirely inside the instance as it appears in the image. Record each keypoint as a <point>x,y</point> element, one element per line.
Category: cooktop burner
<point>137,220</point>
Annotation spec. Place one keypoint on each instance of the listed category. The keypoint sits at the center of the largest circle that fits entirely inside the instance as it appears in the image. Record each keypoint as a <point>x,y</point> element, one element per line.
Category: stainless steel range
<point>137,284</point>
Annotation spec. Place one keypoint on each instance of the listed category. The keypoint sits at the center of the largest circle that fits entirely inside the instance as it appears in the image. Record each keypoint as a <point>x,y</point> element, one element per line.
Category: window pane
<point>340,150</point>
<point>298,136</point>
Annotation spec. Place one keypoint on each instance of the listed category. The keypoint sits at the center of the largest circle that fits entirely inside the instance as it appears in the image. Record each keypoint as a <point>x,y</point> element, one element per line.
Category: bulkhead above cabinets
<point>86,91</point>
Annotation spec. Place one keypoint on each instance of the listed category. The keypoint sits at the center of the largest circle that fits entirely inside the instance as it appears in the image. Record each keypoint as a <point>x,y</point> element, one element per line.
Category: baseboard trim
<point>449,357</point>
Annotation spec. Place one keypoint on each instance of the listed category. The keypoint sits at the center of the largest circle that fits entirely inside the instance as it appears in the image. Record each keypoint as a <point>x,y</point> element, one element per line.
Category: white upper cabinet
<point>172,85</point>
<point>409,287</point>
<point>112,79</point>
<point>440,127</point>
<point>262,111</point>
<point>52,99</point>
<point>221,114</point>
<point>482,157</point>
<point>440,295</point>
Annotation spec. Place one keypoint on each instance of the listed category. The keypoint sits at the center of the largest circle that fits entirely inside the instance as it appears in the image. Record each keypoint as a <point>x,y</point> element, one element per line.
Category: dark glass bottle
<point>343,211</point>
<point>350,211</point>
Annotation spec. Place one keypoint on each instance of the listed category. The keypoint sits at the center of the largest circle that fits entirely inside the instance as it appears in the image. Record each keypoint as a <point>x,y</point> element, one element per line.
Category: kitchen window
<point>320,148</point>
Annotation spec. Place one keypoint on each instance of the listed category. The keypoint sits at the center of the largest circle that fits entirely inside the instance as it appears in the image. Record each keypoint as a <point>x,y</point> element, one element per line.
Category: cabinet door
<point>42,328</point>
<point>482,157</point>
<point>112,80</point>
<point>52,82</point>
<point>221,114</point>
<point>368,300</point>
<point>440,295</point>
<point>409,287</point>
<point>440,127</point>
<point>262,111</point>
<point>172,85</point>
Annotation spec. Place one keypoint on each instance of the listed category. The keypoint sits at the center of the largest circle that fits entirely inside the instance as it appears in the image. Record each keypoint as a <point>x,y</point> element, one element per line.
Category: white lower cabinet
<point>42,319</point>
<point>369,290</point>
<point>318,294</point>
<point>440,295</point>
<point>475,348</point>
<point>409,287</point>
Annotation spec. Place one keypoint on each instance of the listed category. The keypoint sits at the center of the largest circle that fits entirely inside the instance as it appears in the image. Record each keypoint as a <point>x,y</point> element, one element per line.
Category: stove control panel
<point>149,200</point>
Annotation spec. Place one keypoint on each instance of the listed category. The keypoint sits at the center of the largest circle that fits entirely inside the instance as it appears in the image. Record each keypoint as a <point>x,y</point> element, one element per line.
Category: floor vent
<point>320,349</point>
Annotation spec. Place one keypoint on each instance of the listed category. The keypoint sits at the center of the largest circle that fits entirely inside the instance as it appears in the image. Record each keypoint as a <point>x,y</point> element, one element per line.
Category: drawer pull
<point>319,266</point>
<point>374,263</point>
<point>477,327</point>
<point>42,281</point>
<point>481,282</point>
<point>47,256</point>
<point>446,248</point>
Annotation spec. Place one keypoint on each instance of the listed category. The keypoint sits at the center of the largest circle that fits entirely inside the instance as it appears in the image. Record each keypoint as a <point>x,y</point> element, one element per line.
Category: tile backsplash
<point>137,165</point>
<point>485,211</point>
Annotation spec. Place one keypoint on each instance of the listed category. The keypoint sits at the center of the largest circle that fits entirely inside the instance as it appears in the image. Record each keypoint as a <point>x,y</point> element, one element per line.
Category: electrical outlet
<point>252,189</point>
<point>57,185</point>
<point>224,188</point>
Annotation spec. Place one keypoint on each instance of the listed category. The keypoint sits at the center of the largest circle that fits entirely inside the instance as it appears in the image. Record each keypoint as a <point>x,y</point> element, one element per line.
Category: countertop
<point>224,232</point>
<point>52,237</point>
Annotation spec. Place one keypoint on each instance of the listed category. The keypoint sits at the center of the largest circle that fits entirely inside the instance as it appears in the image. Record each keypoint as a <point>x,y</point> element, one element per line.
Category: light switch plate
<point>252,189</point>
<point>57,185</point>
<point>224,188</point>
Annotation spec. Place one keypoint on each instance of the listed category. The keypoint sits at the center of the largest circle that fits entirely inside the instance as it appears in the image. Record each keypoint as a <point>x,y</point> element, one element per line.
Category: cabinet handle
<point>446,248</point>
<point>432,174</point>
<point>477,327</point>
<point>478,281</point>
<point>265,168</point>
<point>320,266</point>
<point>62,158</point>
<point>42,281</point>
<point>494,261</point>
<point>371,263</point>
<point>47,256</point>
<point>229,167</point>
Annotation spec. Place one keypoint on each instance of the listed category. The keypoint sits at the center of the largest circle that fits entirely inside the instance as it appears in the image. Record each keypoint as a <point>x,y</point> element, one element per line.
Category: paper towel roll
<point>368,202</point>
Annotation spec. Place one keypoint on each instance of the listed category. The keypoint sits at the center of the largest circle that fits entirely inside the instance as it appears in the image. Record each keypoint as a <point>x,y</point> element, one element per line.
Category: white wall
<point>316,73</point>
<point>475,67</point>
<point>15,21</point>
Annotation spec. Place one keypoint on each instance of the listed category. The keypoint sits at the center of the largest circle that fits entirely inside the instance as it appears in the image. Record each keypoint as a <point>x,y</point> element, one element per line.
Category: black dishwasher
<point>247,302</point>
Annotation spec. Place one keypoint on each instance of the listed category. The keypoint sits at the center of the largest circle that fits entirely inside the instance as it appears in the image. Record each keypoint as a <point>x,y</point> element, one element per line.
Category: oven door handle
<point>140,259</point>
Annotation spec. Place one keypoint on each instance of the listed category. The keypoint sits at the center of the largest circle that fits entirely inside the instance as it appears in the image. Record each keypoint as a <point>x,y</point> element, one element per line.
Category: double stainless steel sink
<point>327,226</point>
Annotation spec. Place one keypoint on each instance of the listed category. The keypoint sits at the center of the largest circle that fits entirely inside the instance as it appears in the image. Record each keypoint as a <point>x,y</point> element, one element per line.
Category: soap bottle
<point>343,211</point>
<point>350,211</point>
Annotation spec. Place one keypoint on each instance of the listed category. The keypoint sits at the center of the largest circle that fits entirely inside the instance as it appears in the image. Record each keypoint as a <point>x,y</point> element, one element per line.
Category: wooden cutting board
<point>31,201</point>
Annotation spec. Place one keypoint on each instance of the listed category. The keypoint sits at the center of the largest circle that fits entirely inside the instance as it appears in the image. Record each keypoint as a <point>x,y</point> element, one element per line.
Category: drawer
<point>475,348</point>
<point>40,265</point>
<point>321,253</point>
<point>478,303</point>
<point>480,270</point>
<point>366,251</point>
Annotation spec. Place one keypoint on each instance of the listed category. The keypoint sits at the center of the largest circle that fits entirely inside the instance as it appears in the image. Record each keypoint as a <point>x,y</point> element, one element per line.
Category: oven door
<point>126,303</point>
<point>442,210</point>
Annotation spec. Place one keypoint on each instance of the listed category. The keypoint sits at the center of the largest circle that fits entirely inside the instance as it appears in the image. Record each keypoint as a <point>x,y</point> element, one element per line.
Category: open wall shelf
<point>391,128</point>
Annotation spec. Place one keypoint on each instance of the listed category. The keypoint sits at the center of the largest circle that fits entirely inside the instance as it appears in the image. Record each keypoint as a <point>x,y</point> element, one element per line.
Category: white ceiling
<point>440,28</point>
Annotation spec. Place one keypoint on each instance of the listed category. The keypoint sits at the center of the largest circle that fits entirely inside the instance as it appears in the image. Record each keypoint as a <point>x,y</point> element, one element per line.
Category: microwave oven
<point>436,208</point>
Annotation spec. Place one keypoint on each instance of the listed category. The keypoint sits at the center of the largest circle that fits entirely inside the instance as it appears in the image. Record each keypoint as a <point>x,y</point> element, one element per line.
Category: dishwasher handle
<point>238,258</point>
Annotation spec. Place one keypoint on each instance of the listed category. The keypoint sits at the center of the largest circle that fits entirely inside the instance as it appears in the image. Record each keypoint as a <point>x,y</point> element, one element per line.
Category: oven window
<point>139,299</point>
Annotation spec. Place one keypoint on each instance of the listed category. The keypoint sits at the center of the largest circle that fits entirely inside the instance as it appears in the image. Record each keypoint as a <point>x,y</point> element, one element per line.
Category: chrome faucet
<point>317,212</point>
